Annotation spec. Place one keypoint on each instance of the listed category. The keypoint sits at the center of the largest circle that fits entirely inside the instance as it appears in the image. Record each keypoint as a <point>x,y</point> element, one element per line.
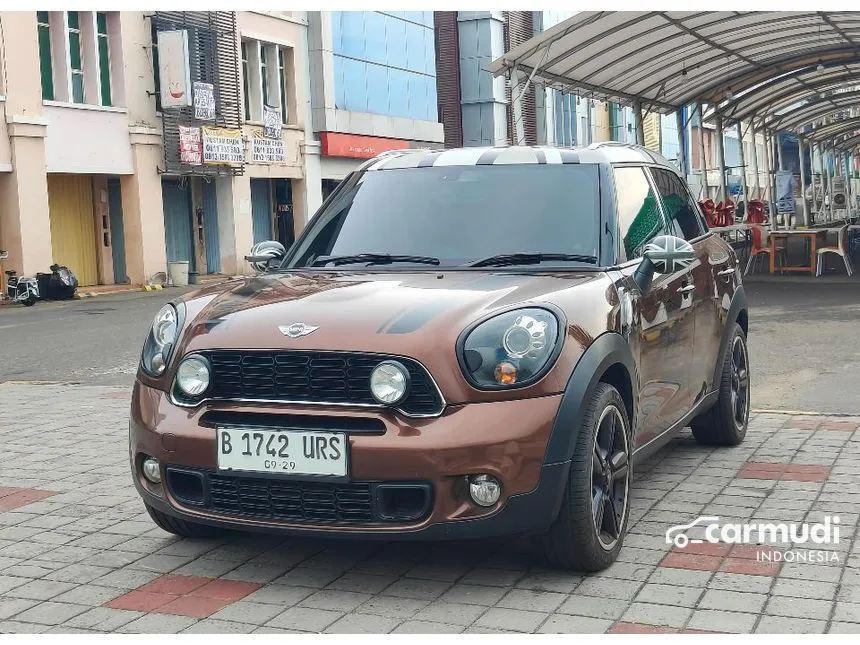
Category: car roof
<point>609,152</point>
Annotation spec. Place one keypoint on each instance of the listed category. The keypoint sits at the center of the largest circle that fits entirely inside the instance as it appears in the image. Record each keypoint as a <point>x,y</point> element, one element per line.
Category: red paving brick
<point>193,606</point>
<point>222,589</point>
<point>803,423</point>
<point>718,549</point>
<point>637,628</point>
<point>750,567</point>
<point>175,585</point>
<point>138,600</point>
<point>750,551</point>
<point>691,561</point>
<point>194,596</point>
<point>841,426</point>
<point>784,472</point>
<point>12,498</point>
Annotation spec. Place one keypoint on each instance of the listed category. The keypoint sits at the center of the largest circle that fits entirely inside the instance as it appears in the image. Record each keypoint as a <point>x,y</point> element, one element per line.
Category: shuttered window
<point>104,58</point>
<point>46,67</point>
<point>75,58</point>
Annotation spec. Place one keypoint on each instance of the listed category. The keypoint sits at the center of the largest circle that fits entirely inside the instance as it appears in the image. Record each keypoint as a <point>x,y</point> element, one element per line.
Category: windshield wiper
<point>531,258</point>
<point>373,258</point>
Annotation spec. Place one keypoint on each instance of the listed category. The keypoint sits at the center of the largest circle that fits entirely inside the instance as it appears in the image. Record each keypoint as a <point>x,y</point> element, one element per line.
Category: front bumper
<point>505,439</point>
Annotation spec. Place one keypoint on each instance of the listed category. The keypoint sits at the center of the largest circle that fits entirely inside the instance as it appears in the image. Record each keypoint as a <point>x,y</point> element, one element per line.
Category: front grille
<point>301,502</point>
<point>296,501</point>
<point>316,377</point>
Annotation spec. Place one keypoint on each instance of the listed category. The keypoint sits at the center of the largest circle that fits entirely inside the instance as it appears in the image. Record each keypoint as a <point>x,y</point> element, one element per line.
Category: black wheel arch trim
<point>608,349</point>
<point>738,305</point>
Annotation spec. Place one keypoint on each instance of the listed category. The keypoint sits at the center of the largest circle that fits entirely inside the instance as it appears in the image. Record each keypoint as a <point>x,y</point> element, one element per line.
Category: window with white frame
<point>265,74</point>
<point>75,50</point>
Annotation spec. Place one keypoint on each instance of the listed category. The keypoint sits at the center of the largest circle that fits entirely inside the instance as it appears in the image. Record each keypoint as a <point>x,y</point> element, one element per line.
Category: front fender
<point>739,304</point>
<point>609,349</point>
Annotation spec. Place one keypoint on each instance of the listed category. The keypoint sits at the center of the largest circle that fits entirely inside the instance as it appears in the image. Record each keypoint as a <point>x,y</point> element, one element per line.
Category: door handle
<point>726,272</point>
<point>687,288</point>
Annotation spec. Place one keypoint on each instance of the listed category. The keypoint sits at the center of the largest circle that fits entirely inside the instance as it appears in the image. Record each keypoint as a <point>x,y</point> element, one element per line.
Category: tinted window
<point>638,214</point>
<point>680,211</point>
<point>461,214</point>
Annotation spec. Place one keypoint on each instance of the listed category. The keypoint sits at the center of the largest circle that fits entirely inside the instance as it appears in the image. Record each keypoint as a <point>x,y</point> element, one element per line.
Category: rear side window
<point>638,213</point>
<point>681,213</point>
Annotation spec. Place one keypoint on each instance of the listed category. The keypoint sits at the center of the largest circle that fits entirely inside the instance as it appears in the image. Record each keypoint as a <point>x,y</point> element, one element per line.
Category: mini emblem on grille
<point>297,329</point>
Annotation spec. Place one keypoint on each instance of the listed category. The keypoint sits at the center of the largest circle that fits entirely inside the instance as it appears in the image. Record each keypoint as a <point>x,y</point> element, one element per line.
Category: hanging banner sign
<point>204,101</point>
<point>272,122</point>
<point>190,146</point>
<point>222,146</point>
<point>784,191</point>
<point>264,150</point>
<point>174,72</point>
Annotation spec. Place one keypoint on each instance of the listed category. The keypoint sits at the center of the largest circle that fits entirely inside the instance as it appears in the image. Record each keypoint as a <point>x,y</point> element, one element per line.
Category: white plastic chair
<point>840,249</point>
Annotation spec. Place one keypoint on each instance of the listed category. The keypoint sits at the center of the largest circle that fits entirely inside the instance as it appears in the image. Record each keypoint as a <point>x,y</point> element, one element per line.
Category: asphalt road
<point>803,342</point>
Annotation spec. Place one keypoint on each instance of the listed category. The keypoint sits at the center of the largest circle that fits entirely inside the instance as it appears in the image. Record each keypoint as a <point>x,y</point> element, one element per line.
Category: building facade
<point>373,88</point>
<point>92,169</point>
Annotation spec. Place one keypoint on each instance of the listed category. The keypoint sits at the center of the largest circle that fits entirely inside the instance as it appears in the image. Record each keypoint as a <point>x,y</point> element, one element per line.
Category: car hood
<point>351,310</point>
<point>418,314</point>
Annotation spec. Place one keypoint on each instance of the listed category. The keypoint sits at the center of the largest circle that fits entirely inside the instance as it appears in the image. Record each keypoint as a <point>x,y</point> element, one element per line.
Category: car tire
<point>574,541</point>
<point>725,424</point>
<point>182,528</point>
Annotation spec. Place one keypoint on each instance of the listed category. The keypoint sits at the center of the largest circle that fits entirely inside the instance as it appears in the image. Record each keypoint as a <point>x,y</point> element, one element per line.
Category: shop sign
<point>272,122</point>
<point>264,150</point>
<point>173,70</point>
<point>222,146</point>
<point>336,144</point>
<point>190,146</point>
<point>204,101</point>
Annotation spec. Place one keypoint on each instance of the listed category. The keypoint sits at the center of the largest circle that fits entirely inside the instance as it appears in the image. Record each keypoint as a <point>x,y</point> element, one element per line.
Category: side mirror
<point>265,255</point>
<point>663,254</point>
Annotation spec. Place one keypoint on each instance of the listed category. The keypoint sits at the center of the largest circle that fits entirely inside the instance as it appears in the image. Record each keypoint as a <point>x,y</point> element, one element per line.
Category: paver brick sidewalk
<point>79,554</point>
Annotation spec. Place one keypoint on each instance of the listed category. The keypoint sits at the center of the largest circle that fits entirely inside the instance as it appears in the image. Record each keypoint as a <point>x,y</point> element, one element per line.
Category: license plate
<point>282,451</point>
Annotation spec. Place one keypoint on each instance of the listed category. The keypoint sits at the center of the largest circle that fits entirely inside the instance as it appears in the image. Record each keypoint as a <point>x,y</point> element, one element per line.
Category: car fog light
<point>388,382</point>
<point>152,470</point>
<point>485,489</point>
<point>192,377</point>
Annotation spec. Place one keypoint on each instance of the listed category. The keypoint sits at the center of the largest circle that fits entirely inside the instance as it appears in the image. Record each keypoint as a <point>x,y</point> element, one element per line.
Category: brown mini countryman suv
<point>461,344</point>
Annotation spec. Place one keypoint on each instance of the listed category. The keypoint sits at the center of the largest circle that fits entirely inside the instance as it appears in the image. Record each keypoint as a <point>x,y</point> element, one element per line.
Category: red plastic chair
<point>761,248</point>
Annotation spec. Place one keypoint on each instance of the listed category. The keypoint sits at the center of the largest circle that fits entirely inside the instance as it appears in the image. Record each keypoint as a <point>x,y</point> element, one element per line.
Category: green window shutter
<point>104,58</point>
<point>46,69</point>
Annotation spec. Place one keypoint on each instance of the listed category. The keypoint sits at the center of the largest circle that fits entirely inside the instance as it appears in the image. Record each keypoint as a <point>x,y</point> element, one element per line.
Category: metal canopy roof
<point>668,59</point>
<point>832,130</point>
<point>813,109</point>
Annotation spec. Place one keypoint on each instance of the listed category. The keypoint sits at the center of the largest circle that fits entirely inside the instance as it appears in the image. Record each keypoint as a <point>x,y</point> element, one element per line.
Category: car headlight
<point>193,375</point>
<point>160,342</point>
<point>388,382</point>
<point>512,349</point>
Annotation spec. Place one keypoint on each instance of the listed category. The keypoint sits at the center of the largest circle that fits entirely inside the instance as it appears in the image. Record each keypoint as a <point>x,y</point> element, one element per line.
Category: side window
<point>681,213</point>
<point>638,213</point>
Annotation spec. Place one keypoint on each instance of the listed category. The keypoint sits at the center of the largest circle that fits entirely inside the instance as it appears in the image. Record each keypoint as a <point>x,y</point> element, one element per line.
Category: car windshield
<point>458,215</point>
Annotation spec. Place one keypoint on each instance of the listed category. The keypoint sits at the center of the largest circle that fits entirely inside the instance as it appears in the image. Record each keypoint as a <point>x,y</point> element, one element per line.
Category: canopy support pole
<point>702,160</point>
<point>828,195</point>
<point>640,123</point>
<point>682,142</point>
<point>744,186</point>
<point>802,181</point>
<point>517,105</point>
<point>721,157</point>
<point>756,179</point>
<point>768,154</point>
<point>778,144</point>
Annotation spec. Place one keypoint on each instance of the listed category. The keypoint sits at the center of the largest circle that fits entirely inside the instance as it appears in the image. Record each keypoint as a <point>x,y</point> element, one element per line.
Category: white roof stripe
<point>460,157</point>
<point>552,155</point>
<point>516,156</point>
